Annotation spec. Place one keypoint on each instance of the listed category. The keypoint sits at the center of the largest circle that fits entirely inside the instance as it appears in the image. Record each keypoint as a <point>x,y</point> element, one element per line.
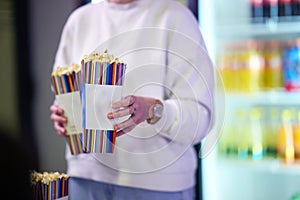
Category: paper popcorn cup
<point>66,82</point>
<point>103,77</point>
<point>71,104</point>
<point>49,185</point>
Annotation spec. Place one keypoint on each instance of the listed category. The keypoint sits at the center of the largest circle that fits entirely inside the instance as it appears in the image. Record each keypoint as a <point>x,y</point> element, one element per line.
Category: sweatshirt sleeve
<point>63,54</point>
<point>188,100</point>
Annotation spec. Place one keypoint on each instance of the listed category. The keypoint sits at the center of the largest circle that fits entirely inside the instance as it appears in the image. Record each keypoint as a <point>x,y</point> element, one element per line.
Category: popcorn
<point>66,78</point>
<point>103,69</point>
<point>49,185</point>
<point>66,82</point>
<point>103,77</point>
<point>86,93</point>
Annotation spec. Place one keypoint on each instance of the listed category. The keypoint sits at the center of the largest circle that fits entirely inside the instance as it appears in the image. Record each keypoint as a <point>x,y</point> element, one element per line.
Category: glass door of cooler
<point>255,46</point>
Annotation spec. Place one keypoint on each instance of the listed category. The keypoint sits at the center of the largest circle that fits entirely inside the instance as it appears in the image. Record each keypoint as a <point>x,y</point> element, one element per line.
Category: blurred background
<point>255,47</point>
<point>29,36</point>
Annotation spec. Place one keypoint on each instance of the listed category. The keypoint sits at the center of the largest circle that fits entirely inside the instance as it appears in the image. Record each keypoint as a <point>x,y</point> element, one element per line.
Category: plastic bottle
<point>242,133</point>
<point>296,7</point>
<point>285,9</point>
<point>254,78</point>
<point>257,148</point>
<point>273,65</point>
<point>296,130</point>
<point>224,64</point>
<point>223,144</point>
<point>237,67</point>
<point>227,145</point>
<point>270,10</point>
<point>234,71</point>
<point>285,142</point>
<point>272,122</point>
<point>223,141</point>
<point>291,67</point>
<point>257,11</point>
<point>243,56</point>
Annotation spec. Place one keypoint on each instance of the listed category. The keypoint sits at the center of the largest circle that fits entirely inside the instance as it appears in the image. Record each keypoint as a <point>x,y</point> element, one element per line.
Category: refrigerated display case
<point>257,56</point>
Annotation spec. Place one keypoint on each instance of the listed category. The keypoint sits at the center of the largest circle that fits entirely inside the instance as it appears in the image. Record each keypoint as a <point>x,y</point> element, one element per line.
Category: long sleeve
<point>64,51</point>
<point>189,86</point>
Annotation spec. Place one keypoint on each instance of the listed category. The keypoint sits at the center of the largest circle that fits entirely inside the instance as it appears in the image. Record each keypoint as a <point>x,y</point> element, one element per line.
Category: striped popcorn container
<point>66,83</point>
<point>103,77</point>
<point>49,185</point>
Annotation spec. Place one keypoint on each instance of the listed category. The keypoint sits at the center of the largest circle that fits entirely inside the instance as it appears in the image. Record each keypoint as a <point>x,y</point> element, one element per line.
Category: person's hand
<point>58,118</point>
<point>136,107</point>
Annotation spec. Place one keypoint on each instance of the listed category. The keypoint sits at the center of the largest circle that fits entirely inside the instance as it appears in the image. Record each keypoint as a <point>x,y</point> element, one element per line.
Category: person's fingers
<point>125,124</point>
<point>57,118</point>
<point>124,131</point>
<point>120,133</point>
<point>121,113</point>
<point>56,109</point>
<point>60,129</point>
<point>137,107</point>
<point>124,102</point>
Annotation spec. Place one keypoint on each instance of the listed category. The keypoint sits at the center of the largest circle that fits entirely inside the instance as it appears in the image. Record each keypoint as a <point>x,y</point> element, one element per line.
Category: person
<point>166,108</point>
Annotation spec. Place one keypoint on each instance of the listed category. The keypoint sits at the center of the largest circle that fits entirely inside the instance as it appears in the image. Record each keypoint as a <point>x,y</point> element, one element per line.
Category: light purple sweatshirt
<point>166,59</point>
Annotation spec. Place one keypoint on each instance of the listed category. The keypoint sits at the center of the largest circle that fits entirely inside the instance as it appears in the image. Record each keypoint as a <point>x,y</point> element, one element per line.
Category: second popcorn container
<point>66,82</point>
<point>103,77</point>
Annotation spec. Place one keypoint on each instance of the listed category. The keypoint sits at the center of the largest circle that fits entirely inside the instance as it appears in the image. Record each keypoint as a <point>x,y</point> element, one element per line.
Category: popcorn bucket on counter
<point>49,185</point>
<point>102,77</point>
<point>66,82</point>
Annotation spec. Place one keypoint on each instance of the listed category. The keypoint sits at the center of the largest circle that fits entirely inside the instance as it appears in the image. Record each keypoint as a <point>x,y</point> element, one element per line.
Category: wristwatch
<point>155,112</point>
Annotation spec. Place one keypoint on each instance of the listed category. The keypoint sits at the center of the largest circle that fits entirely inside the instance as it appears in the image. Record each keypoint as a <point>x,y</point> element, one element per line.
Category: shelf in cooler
<point>264,98</point>
<point>274,166</point>
<point>259,29</point>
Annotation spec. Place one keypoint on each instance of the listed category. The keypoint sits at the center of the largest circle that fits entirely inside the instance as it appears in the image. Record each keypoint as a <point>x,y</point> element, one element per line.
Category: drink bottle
<point>257,148</point>
<point>270,9</point>
<point>291,67</point>
<point>272,122</point>
<point>296,130</point>
<point>285,142</point>
<point>285,9</point>
<point>273,66</point>
<point>296,7</point>
<point>257,11</point>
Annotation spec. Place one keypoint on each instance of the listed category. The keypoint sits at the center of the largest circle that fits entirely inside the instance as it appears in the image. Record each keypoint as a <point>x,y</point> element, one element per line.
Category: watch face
<point>158,109</point>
